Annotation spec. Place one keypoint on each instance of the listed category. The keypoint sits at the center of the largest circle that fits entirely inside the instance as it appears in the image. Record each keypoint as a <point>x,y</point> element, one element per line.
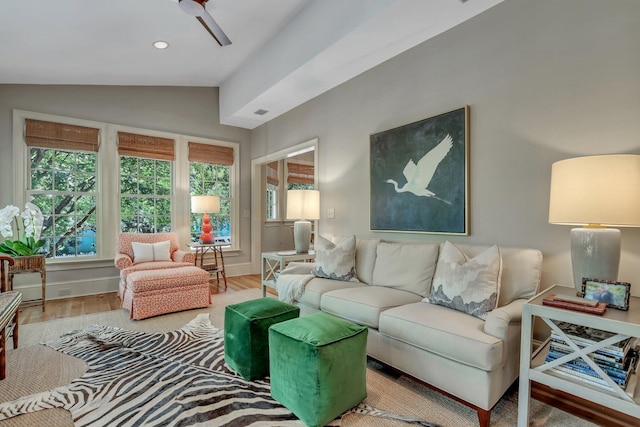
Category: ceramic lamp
<point>205,205</point>
<point>303,205</point>
<point>595,192</point>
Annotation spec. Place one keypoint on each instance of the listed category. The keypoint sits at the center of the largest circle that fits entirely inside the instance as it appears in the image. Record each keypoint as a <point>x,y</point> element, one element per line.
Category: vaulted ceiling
<point>283,52</point>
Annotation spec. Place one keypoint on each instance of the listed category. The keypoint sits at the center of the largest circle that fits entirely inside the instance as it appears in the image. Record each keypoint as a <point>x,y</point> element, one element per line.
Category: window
<point>92,180</point>
<point>145,183</point>
<point>62,171</point>
<point>300,176</point>
<point>273,194</point>
<point>210,173</point>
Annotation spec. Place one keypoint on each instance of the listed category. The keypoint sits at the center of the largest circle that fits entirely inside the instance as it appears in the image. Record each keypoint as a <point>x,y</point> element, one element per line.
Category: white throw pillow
<point>468,285</point>
<point>335,260</point>
<point>149,252</point>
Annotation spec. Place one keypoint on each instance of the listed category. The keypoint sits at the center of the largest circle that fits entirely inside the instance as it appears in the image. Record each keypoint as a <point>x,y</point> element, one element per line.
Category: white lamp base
<point>595,253</point>
<point>302,236</point>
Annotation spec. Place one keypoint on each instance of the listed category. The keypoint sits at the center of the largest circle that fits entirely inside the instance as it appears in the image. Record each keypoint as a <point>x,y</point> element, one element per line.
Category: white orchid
<point>7,214</point>
<point>32,219</point>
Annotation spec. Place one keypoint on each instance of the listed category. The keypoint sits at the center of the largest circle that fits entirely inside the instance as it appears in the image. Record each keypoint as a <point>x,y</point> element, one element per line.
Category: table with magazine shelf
<point>274,262</point>
<point>622,324</point>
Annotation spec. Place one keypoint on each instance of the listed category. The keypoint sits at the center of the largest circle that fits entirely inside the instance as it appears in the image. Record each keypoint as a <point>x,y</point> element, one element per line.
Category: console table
<point>273,262</point>
<point>201,249</point>
<point>604,404</point>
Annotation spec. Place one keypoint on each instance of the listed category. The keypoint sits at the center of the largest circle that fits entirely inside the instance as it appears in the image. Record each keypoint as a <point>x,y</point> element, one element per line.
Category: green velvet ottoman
<point>246,340</point>
<point>318,366</point>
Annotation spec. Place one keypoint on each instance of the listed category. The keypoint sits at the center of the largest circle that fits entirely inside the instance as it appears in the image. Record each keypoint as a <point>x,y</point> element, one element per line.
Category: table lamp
<point>595,192</point>
<point>205,205</point>
<point>302,205</point>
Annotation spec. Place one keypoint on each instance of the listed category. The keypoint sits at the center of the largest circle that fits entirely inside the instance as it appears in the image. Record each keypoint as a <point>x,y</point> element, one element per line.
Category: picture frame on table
<point>614,294</point>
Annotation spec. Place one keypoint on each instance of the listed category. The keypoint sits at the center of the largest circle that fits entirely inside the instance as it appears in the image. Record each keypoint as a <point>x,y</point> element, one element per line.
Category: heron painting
<point>419,176</point>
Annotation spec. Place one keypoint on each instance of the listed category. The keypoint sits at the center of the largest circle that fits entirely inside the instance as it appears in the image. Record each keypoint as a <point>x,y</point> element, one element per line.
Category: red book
<point>597,309</point>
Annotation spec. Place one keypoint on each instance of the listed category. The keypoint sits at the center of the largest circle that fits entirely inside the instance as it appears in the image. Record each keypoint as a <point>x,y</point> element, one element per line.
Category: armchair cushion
<point>150,252</point>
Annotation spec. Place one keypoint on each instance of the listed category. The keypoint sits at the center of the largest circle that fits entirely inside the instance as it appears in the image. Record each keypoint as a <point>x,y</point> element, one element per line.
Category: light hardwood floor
<point>78,306</point>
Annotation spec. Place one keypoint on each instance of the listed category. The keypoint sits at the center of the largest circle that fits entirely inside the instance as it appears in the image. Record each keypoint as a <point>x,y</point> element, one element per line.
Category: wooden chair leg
<point>15,330</point>
<point>3,360</point>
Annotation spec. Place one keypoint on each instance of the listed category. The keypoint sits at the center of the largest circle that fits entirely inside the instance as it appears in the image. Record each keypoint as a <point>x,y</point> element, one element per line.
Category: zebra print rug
<point>177,378</point>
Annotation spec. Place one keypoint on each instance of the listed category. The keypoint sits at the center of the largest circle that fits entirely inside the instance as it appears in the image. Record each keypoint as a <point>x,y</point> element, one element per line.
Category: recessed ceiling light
<point>160,44</point>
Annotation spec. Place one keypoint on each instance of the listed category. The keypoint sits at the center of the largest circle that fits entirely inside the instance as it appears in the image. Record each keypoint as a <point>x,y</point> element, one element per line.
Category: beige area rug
<point>34,368</point>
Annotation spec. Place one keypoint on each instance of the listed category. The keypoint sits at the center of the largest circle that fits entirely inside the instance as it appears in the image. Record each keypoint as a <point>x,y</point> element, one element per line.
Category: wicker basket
<point>27,263</point>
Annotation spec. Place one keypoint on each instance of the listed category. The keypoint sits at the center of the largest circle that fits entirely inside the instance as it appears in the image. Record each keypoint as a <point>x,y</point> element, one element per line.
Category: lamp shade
<point>205,204</point>
<point>597,190</point>
<point>303,204</point>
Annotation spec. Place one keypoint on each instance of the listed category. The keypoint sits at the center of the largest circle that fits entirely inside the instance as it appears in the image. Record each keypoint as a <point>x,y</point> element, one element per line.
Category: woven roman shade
<point>300,173</point>
<point>272,173</point>
<point>209,153</point>
<point>39,133</point>
<point>148,147</point>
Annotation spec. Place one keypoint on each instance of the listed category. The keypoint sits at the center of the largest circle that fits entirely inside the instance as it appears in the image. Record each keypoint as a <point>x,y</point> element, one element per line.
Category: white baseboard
<point>69,289</point>
<point>100,285</point>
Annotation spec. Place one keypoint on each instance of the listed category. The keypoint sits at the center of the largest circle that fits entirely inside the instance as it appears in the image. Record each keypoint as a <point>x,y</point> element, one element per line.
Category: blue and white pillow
<point>335,260</point>
<point>468,285</point>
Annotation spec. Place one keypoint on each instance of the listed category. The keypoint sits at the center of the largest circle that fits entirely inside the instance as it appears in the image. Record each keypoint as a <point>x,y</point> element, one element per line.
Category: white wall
<point>188,111</point>
<point>545,80</point>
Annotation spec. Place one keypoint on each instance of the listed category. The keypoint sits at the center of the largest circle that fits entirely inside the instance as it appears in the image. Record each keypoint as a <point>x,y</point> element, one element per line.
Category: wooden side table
<point>273,262</point>
<point>218,266</point>
<point>30,264</point>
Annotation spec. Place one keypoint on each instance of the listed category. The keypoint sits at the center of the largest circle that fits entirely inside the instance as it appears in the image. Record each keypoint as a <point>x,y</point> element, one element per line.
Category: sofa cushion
<point>521,271</point>
<point>366,259</point>
<point>467,284</point>
<point>405,266</point>
<point>448,333</point>
<point>363,305</point>
<point>315,288</point>
<point>335,260</point>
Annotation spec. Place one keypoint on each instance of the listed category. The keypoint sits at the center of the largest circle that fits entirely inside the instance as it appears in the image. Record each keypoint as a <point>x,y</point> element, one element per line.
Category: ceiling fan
<point>196,8</point>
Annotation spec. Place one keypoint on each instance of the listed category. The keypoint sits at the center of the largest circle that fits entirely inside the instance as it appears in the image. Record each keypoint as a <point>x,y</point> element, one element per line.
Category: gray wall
<point>188,111</point>
<point>545,80</point>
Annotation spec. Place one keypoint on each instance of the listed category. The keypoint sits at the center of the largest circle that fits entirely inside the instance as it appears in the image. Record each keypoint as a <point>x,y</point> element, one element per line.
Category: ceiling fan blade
<point>213,28</point>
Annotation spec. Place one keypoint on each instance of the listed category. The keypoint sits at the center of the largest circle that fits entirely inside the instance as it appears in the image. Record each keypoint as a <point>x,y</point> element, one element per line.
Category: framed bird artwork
<point>420,174</point>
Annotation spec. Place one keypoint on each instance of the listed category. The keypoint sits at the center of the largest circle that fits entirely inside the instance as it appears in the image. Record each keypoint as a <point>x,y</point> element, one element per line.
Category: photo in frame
<point>419,176</point>
<point>614,294</point>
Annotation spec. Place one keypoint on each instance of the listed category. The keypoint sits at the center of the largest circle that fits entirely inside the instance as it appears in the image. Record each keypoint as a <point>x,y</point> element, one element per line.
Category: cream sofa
<point>469,359</point>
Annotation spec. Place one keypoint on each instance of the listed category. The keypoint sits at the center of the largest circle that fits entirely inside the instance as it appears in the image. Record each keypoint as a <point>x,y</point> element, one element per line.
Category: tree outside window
<point>214,180</point>
<point>63,186</point>
<point>145,195</point>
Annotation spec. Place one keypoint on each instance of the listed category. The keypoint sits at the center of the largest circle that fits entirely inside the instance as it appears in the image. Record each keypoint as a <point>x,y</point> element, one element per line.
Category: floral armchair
<point>126,261</point>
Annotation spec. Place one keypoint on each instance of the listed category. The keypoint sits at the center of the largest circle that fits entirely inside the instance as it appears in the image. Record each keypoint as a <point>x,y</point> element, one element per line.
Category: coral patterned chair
<point>156,277</point>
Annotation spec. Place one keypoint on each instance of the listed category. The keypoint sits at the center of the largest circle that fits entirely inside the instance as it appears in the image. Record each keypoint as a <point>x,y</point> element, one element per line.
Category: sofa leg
<point>484,417</point>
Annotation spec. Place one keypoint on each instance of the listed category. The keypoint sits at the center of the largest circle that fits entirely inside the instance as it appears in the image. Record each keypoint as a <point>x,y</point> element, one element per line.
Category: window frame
<point>108,187</point>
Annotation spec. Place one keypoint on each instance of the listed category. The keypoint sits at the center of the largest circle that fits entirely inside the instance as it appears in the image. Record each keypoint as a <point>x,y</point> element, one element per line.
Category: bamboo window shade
<point>210,153</point>
<point>272,173</point>
<point>39,133</point>
<point>145,146</point>
<point>300,173</point>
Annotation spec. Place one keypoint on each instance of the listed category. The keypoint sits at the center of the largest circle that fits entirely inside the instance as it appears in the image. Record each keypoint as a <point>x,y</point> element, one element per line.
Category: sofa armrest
<point>498,321</point>
<point>122,261</point>
<point>298,268</point>
<point>183,256</point>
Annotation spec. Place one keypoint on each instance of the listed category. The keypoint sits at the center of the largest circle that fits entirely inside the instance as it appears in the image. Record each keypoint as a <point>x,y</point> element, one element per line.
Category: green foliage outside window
<point>145,195</point>
<point>63,186</point>
<point>214,180</point>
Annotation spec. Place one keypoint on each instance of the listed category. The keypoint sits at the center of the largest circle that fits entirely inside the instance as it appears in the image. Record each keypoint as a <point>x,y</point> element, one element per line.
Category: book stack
<point>618,360</point>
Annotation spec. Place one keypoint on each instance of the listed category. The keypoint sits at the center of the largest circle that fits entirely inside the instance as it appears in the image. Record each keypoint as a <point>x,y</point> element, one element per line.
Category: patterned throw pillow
<point>335,260</point>
<point>468,285</point>
<point>148,252</point>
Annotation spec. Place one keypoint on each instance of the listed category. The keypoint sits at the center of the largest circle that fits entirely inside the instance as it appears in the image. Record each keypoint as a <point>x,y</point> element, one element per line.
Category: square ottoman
<point>246,340</point>
<point>318,366</point>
